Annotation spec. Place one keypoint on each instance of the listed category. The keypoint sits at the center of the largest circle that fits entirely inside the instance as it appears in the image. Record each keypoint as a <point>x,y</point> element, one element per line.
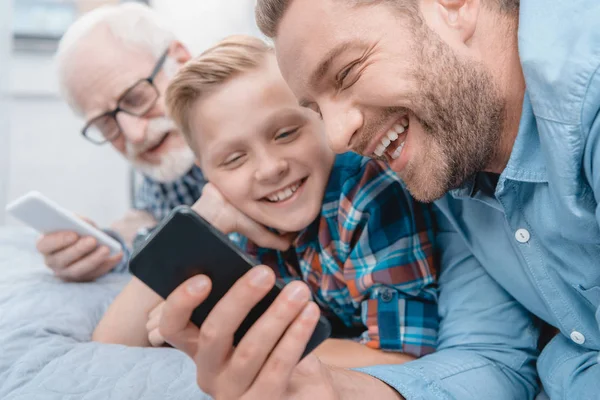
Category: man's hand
<point>314,380</point>
<point>264,365</point>
<point>213,207</point>
<point>261,365</point>
<point>75,258</point>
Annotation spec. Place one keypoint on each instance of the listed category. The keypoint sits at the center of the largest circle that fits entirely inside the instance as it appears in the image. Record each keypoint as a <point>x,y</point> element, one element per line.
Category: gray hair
<point>132,24</point>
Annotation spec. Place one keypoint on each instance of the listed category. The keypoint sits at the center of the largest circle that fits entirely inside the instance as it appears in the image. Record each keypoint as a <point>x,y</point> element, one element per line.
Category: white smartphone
<point>46,216</point>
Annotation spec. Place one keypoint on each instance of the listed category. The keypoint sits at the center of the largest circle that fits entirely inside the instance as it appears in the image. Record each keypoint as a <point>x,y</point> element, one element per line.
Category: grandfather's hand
<point>213,207</point>
<point>75,258</point>
<point>264,365</point>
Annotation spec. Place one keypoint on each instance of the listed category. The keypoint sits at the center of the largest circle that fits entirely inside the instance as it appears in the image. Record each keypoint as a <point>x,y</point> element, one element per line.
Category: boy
<point>360,242</point>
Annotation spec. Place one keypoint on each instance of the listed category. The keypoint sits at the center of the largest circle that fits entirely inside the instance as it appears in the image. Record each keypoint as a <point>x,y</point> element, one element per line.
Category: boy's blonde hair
<point>214,67</point>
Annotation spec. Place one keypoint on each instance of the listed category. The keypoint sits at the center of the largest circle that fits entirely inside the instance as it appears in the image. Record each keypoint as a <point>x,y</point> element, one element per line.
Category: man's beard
<point>174,163</point>
<point>462,113</point>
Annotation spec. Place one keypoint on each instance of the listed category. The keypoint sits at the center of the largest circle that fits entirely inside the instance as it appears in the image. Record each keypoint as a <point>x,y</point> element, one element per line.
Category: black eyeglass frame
<point>113,113</point>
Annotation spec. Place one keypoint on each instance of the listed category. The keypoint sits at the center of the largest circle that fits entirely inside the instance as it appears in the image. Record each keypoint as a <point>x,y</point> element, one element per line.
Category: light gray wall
<point>4,127</point>
<point>200,23</point>
<point>47,153</point>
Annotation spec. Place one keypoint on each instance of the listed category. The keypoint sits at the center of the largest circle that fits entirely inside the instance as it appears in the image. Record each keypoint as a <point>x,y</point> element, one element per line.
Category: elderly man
<point>502,104</point>
<point>114,64</point>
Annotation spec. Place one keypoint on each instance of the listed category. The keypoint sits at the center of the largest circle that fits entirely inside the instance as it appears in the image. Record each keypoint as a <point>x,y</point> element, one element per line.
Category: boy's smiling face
<point>267,155</point>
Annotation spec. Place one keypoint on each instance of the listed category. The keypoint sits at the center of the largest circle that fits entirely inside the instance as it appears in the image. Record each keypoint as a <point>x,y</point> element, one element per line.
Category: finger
<point>152,324</point>
<point>69,255</point>
<point>277,371</point>
<point>105,267</point>
<point>156,311</point>
<point>254,348</point>
<point>154,317</point>
<point>83,269</point>
<point>155,338</point>
<point>175,325</point>
<point>53,242</point>
<point>263,237</point>
<point>215,340</point>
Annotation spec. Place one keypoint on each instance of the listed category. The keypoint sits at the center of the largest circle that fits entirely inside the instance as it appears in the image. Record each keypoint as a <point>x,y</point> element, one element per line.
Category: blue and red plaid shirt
<point>368,258</point>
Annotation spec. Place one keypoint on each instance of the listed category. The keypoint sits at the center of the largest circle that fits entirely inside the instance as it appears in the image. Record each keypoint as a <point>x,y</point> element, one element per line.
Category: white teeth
<point>284,194</point>
<point>390,137</point>
<point>397,152</point>
<point>399,129</point>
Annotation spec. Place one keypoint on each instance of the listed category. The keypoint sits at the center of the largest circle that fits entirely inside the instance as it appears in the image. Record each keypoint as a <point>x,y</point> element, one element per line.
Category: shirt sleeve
<point>591,131</point>
<point>123,265</point>
<point>487,342</point>
<point>390,271</point>
<point>568,370</point>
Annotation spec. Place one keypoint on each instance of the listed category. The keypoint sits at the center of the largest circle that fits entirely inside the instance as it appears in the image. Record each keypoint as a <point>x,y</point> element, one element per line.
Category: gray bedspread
<point>45,330</point>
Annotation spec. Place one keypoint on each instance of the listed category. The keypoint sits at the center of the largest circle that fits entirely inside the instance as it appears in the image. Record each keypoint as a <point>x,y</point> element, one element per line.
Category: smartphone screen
<point>185,245</point>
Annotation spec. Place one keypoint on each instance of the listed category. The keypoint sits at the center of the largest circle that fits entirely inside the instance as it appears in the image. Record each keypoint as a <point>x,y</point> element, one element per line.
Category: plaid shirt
<point>160,198</point>
<point>368,258</point>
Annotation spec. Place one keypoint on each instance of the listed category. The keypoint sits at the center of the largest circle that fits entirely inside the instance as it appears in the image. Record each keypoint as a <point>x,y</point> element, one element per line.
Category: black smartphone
<point>185,245</point>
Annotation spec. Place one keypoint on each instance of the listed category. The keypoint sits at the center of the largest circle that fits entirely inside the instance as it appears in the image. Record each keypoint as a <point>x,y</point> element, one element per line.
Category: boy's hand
<point>154,336</point>
<point>214,208</point>
<point>75,258</point>
<point>264,365</point>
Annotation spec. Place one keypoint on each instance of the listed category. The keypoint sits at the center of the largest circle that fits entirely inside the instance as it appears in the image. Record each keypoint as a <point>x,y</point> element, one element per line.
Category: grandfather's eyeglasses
<point>138,100</point>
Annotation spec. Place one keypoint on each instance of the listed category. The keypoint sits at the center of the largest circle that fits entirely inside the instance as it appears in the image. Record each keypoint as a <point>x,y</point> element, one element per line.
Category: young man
<point>114,64</point>
<point>503,101</point>
<point>360,242</point>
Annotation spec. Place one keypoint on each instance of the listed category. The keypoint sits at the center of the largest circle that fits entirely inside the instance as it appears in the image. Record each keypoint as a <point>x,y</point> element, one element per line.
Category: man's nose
<point>132,128</point>
<point>342,122</point>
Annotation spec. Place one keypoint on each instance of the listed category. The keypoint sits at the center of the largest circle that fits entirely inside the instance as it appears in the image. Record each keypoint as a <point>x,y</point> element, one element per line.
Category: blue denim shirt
<point>531,242</point>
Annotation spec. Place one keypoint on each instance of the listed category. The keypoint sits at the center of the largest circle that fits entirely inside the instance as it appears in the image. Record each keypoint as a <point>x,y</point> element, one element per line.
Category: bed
<point>45,330</point>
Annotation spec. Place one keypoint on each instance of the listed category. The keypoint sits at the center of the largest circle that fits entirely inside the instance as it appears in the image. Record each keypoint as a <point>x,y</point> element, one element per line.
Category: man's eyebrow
<point>323,67</point>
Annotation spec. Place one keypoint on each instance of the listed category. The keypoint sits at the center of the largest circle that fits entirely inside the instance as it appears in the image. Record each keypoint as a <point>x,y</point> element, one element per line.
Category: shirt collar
<point>526,162</point>
<point>304,236</point>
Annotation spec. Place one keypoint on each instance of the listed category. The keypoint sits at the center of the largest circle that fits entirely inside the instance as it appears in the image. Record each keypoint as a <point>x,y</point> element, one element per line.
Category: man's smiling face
<point>388,87</point>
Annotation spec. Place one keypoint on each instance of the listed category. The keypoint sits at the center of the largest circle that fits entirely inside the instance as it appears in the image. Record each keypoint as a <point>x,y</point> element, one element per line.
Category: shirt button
<point>577,337</point>
<point>386,296</point>
<point>522,235</point>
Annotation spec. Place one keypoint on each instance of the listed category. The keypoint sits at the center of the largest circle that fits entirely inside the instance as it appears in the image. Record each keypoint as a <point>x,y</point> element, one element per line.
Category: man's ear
<point>179,52</point>
<point>457,17</point>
